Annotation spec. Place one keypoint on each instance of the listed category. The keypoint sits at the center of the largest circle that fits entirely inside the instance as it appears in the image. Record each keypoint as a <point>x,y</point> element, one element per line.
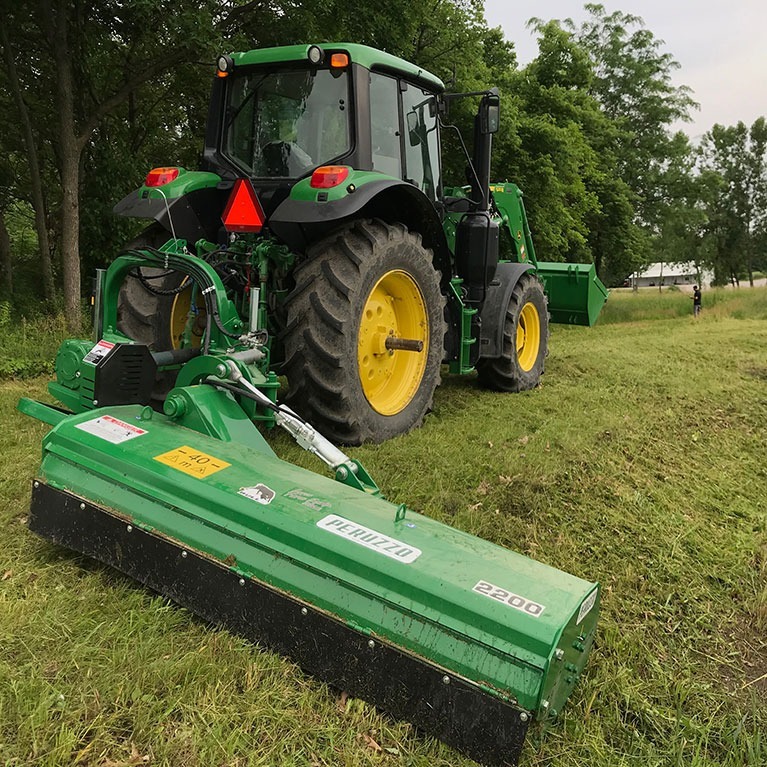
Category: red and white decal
<point>111,429</point>
<point>98,352</point>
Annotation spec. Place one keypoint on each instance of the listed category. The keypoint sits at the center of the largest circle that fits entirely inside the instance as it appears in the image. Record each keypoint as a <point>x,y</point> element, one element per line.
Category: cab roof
<point>370,58</point>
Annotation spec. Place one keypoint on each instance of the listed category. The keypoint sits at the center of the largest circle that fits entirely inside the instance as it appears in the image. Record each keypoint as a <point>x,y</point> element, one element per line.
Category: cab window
<point>422,166</point>
<point>286,123</point>
<point>384,125</point>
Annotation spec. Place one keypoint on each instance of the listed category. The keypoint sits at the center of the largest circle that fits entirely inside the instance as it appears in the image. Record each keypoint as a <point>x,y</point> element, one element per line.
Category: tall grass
<point>639,463</point>
<point>29,345</point>
<point>652,304</point>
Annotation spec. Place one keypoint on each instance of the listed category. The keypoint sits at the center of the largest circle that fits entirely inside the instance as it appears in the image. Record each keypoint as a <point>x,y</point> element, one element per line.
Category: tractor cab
<point>276,119</point>
<point>282,123</point>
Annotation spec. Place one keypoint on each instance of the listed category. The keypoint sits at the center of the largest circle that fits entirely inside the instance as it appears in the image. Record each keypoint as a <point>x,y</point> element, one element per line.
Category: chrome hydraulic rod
<point>303,433</point>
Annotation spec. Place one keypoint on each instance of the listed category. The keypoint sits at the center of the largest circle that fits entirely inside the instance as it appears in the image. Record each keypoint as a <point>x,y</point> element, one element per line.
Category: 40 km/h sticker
<point>509,598</point>
<point>192,462</point>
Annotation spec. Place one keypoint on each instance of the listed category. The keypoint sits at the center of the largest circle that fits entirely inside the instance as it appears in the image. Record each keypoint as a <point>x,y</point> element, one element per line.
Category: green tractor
<point>343,263</point>
<point>366,273</point>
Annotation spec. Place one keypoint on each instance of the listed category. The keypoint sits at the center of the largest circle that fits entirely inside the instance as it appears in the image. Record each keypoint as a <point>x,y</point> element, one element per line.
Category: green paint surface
<point>368,57</point>
<point>413,584</point>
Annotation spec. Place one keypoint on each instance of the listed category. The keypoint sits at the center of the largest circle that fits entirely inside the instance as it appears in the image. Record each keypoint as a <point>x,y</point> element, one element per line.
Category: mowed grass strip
<point>638,463</point>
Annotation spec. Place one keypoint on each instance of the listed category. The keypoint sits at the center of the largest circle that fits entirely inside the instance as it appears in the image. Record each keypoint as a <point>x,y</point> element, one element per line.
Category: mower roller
<point>157,465</point>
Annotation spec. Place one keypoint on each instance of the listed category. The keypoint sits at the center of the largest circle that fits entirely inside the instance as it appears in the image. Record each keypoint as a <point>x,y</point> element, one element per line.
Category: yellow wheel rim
<point>528,336</point>
<point>394,307</point>
<point>179,316</point>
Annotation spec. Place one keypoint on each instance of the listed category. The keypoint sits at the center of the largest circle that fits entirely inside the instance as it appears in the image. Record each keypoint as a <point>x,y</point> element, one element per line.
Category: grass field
<point>640,463</point>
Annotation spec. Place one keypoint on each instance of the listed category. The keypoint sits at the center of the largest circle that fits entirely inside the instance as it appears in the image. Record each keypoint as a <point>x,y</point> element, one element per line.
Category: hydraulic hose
<point>201,277</point>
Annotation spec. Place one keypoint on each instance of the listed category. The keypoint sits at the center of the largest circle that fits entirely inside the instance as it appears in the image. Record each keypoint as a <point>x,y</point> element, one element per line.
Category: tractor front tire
<point>362,291</point>
<point>525,341</point>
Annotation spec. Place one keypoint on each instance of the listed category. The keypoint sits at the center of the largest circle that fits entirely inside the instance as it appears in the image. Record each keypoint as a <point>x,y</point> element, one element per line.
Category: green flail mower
<point>343,264</point>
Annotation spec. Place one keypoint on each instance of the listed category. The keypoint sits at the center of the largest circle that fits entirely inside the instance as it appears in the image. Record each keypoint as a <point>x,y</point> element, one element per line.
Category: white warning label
<point>258,493</point>
<point>509,598</point>
<point>111,429</point>
<point>588,603</point>
<point>98,352</point>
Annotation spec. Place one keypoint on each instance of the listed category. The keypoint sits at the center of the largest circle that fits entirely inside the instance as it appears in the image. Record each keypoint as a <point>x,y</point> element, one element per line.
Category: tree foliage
<point>633,84</point>
<point>93,95</point>
<point>735,160</point>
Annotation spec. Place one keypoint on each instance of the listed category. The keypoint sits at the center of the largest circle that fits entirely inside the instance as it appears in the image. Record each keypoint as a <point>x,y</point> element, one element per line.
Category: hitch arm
<point>347,470</point>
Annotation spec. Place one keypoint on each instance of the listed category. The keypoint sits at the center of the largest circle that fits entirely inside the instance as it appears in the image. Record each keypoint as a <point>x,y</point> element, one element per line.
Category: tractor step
<point>471,642</point>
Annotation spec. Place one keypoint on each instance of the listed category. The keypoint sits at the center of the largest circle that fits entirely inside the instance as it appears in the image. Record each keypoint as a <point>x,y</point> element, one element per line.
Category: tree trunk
<point>38,199</point>
<point>54,20</point>
<point>6,269</point>
<point>70,235</point>
<point>70,149</point>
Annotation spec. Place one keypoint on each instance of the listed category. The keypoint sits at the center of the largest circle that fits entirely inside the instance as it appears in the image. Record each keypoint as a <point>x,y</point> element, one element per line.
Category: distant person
<point>696,300</point>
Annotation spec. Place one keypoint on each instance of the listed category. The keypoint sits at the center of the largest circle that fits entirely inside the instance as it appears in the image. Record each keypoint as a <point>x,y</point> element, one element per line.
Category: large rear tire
<point>525,341</point>
<point>367,283</point>
<point>143,315</point>
<point>156,319</point>
<point>154,311</point>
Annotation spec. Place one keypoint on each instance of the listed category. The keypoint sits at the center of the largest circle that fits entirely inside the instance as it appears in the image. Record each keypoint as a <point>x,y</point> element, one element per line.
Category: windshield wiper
<point>245,101</point>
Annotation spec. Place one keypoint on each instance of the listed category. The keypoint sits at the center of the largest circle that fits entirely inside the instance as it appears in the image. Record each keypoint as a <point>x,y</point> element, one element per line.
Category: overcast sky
<point>721,47</point>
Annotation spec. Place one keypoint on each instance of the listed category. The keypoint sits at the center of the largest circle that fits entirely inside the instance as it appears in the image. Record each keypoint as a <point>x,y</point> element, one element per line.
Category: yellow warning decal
<point>191,461</point>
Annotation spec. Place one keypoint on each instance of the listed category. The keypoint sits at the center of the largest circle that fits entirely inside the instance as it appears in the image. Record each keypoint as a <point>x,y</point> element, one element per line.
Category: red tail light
<point>160,176</point>
<point>329,176</point>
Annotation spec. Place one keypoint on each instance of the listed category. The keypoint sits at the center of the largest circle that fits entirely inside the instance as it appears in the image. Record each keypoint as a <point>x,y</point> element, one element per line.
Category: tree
<point>562,153</point>
<point>546,152</point>
<point>24,121</point>
<point>738,211</point>
<point>684,228</point>
<point>632,81</point>
<point>6,269</point>
<point>94,58</point>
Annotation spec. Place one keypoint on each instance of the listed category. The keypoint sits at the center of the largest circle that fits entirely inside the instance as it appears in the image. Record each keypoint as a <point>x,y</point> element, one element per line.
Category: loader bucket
<point>471,642</point>
<point>576,294</point>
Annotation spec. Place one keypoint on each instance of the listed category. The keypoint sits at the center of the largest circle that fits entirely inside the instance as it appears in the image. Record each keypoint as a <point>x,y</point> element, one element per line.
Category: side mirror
<point>412,128</point>
<point>490,112</point>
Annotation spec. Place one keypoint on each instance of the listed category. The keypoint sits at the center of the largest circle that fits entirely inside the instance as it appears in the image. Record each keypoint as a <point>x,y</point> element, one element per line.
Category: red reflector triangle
<point>243,210</point>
